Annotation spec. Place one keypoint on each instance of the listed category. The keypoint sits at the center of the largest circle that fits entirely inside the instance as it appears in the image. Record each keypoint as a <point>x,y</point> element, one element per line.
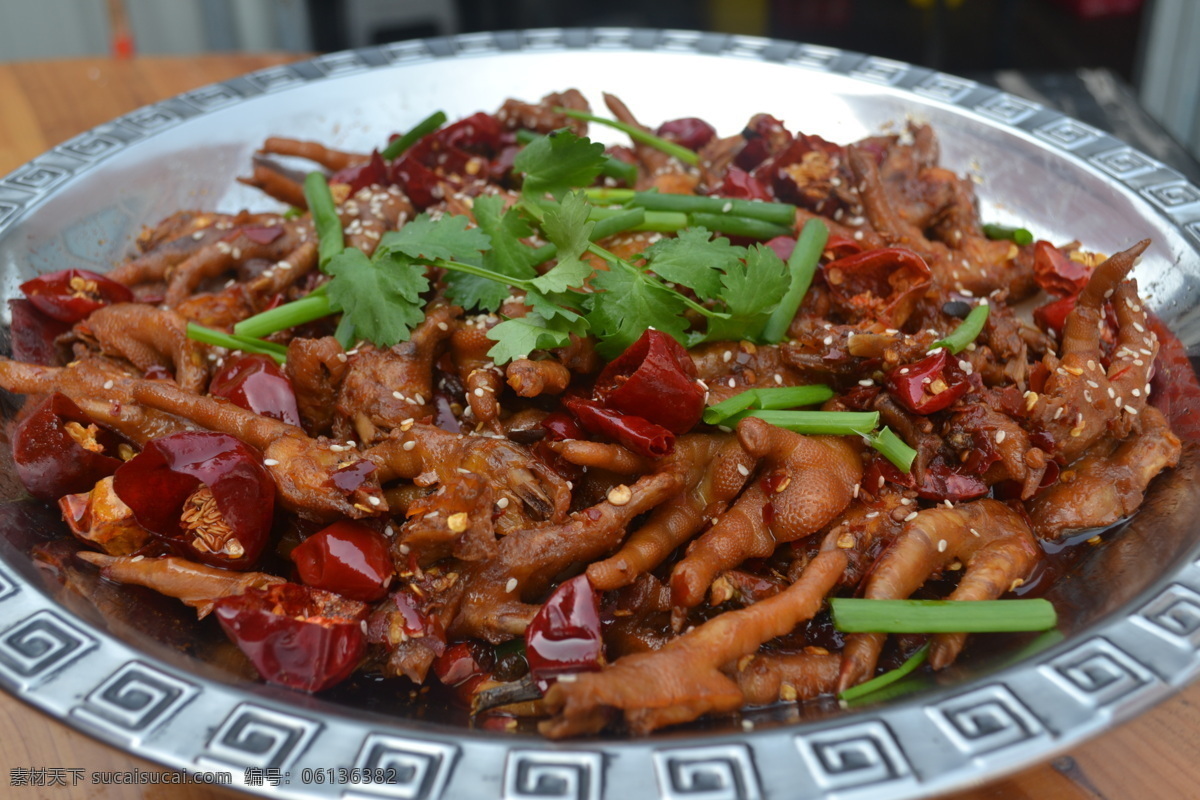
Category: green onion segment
<point>862,615</point>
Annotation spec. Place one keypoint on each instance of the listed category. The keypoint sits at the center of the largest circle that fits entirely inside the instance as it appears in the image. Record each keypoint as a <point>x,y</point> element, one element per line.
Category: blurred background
<point>1088,57</point>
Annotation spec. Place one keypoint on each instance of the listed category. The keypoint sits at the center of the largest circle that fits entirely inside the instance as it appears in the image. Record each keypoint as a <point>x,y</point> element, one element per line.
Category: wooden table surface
<point>1154,757</point>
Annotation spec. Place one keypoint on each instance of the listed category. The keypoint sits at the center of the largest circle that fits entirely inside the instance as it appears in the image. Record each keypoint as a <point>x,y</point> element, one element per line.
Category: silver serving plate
<point>1132,613</point>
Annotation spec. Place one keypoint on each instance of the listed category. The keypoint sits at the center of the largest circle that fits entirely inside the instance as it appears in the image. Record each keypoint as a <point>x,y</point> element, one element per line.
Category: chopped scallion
<point>234,342</point>
<point>423,128</point>
<point>749,227</point>
<point>783,214</point>
<point>863,615</point>
<point>967,331</point>
<point>288,315</point>
<point>888,678</point>
<point>828,423</point>
<point>330,238</point>
<point>802,265</point>
<point>893,448</point>
<point>768,398</point>
<point>1015,235</point>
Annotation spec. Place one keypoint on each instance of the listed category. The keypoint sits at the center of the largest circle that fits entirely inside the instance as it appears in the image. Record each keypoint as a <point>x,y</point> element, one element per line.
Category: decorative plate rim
<point>91,680</point>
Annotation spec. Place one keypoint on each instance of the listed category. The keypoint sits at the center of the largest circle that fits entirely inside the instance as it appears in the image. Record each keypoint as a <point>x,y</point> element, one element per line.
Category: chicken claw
<point>988,537</point>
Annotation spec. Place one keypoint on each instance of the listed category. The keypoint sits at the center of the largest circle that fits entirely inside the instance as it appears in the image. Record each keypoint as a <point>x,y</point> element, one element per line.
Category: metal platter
<point>1133,621</point>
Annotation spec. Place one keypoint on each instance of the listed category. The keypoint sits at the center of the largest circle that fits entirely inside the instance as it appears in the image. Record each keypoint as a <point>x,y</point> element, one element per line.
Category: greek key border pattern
<point>253,729</point>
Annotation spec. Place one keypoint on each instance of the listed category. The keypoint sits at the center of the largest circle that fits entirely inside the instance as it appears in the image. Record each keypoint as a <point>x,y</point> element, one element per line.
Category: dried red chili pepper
<point>59,450</point>
<point>691,132</point>
<point>348,558</point>
<point>256,382</point>
<point>741,185</point>
<point>372,173</point>
<point>840,246</point>
<point>636,433</point>
<point>205,493</point>
<point>296,636</point>
<point>33,334</point>
<point>654,379</point>
<point>69,295</point>
<point>929,385</point>
<point>479,133</point>
<point>560,426</point>
<point>1056,273</point>
<point>564,636</point>
<point>463,666</point>
<point>939,482</point>
<point>883,283</point>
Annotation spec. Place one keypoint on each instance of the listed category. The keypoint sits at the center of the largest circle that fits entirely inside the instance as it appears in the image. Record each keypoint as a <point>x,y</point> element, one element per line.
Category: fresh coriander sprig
<point>863,615</point>
<point>637,134</point>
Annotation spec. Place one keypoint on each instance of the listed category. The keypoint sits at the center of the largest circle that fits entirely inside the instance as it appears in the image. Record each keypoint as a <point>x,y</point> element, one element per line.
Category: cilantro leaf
<point>751,292</point>
<point>694,260</point>
<point>566,224</point>
<point>508,256</point>
<point>520,336</point>
<point>381,299</point>
<point>558,162</point>
<point>559,310</point>
<point>627,303</point>
<point>427,238</point>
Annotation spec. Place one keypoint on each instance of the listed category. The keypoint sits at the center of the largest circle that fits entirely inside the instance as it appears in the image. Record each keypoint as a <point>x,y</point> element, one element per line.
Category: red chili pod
<point>34,334</point>
<point>636,433</point>
<point>1056,273</point>
<point>206,493</point>
<point>348,558</point>
<point>560,426</point>
<point>741,185</point>
<point>59,450</point>
<point>927,386</point>
<point>372,173</point>
<point>691,132</point>
<point>256,382</point>
<point>884,283</point>
<point>654,379</point>
<point>463,666</point>
<point>564,636</point>
<point>479,133</point>
<point>296,636</point>
<point>69,295</point>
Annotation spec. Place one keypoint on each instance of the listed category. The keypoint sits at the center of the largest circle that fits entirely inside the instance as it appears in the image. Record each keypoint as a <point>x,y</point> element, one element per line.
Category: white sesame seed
<point>443,326</point>
<point>502,503</point>
<point>1000,436</point>
<point>374,500</point>
<point>512,584</point>
<point>409,445</point>
<point>727,356</point>
<point>419,399</point>
<point>911,517</point>
<point>973,532</point>
<point>1131,410</point>
<point>778,379</point>
<point>743,471</point>
<point>270,462</point>
<point>478,392</point>
<point>108,384</point>
<point>866,382</point>
<point>942,545</point>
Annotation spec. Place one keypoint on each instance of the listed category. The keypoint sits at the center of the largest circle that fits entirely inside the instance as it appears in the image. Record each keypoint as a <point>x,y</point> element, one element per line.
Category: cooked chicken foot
<point>986,536</point>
